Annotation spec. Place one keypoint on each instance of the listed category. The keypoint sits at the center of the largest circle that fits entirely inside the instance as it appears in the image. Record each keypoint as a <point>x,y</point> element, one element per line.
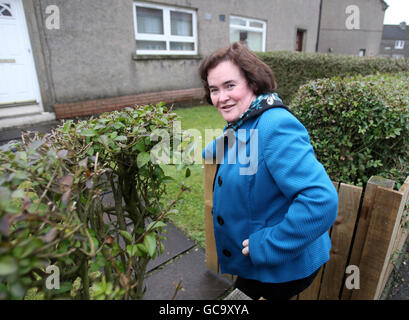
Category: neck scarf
<point>262,103</point>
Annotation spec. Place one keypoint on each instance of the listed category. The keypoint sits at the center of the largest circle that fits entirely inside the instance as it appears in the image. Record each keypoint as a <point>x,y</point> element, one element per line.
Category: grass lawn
<point>190,218</point>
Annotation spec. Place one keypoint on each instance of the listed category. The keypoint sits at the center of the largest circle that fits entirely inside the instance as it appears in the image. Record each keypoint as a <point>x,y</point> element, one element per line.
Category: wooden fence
<point>367,233</point>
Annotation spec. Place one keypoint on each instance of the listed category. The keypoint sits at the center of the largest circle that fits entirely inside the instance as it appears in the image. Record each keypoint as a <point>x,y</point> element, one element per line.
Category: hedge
<point>358,126</point>
<point>52,211</point>
<point>292,69</point>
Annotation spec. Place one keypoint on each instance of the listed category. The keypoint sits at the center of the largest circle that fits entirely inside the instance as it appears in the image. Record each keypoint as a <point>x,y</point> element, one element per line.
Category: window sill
<point>144,57</point>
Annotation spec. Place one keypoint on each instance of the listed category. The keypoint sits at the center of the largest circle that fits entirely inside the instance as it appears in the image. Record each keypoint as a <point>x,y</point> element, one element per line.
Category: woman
<point>270,222</point>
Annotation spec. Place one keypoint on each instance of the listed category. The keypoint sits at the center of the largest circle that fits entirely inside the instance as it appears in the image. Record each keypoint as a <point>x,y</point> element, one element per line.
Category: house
<point>351,27</point>
<point>67,58</point>
<point>395,41</point>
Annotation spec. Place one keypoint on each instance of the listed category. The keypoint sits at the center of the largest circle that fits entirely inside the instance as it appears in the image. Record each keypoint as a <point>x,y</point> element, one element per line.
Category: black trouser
<point>274,291</point>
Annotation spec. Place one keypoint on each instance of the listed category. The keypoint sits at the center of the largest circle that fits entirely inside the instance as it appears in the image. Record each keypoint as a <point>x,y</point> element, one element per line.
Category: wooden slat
<point>363,223</point>
<point>312,292</point>
<point>348,204</point>
<point>388,265</point>
<point>384,213</point>
<point>212,262</point>
<point>403,231</point>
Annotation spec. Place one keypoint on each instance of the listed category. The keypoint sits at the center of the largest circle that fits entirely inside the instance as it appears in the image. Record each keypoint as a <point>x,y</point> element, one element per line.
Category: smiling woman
<point>271,222</point>
<point>229,90</point>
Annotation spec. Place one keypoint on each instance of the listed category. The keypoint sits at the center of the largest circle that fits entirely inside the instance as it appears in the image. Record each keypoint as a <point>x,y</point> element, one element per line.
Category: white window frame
<point>166,37</point>
<point>247,27</point>
<point>12,11</point>
<point>399,44</point>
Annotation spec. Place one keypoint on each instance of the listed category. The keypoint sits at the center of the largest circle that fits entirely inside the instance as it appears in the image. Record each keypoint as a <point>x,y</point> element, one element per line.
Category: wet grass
<point>190,216</point>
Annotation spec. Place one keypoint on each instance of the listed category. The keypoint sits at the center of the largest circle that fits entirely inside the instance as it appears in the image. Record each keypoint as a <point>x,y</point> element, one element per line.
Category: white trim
<point>26,120</point>
<point>247,27</point>
<point>166,37</point>
<point>19,111</point>
<point>36,87</point>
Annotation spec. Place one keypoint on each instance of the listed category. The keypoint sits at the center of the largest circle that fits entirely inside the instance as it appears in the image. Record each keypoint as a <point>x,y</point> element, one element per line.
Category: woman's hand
<point>245,250</point>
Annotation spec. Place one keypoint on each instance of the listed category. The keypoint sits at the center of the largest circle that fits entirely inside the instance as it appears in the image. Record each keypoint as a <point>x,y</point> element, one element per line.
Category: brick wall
<point>90,107</point>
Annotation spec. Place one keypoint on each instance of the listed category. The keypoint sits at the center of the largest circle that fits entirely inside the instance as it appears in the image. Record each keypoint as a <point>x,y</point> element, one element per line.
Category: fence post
<point>397,241</point>
<point>349,198</point>
<point>212,262</point>
<point>363,222</point>
<point>385,219</point>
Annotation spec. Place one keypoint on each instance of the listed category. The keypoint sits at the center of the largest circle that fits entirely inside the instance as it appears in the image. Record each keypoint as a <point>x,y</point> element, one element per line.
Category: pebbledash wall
<point>90,64</point>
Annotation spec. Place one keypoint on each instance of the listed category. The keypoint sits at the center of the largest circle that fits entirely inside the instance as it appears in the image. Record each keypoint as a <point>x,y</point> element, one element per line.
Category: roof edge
<point>384,5</point>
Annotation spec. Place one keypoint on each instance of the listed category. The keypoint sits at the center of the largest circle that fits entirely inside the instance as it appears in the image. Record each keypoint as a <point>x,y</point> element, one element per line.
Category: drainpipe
<point>319,27</point>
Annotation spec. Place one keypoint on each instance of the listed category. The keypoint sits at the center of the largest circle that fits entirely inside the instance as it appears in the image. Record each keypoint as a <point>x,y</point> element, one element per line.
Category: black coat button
<point>226,253</point>
<point>220,220</point>
<point>219,180</point>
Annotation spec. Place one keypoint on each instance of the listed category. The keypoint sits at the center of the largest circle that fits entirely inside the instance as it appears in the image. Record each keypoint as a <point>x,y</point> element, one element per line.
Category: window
<point>250,31</point>
<point>362,52</point>
<point>164,30</point>
<point>399,44</point>
<point>5,10</point>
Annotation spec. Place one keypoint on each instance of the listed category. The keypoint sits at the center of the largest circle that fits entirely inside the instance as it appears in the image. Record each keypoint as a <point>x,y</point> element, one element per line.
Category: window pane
<point>150,45</point>
<point>238,21</point>
<point>181,24</point>
<point>238,35</point>
<point>256,24</point>
<point>234,35</point>
<point>5,9</point>
<point>149,20</point>
<point>185,46</point>
<point>255,41</point>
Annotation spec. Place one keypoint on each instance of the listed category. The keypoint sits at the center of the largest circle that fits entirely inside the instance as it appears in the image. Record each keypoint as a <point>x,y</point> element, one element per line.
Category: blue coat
<point>271,189</point>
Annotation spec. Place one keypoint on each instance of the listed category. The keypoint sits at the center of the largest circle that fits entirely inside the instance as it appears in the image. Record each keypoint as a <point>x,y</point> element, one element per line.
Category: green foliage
<point>293,69</point>
<point>52,210</point>
<point>359,126</point>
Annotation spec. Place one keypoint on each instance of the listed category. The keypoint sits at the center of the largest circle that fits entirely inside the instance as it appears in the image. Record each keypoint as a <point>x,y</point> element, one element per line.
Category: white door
<point>18,79</point>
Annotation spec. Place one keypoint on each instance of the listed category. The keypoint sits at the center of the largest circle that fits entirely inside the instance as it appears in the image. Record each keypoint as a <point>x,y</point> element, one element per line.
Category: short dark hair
<point>260,77</point>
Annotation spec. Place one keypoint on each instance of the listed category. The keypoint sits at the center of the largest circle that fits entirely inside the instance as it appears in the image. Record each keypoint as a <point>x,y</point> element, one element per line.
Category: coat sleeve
<point>291,161</point>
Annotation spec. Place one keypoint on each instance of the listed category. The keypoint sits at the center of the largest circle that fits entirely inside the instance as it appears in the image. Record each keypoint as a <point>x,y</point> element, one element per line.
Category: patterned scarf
<point>262,103</point>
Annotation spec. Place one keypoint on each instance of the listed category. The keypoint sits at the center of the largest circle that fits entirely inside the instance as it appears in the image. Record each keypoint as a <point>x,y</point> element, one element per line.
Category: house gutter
<point>319,27</point>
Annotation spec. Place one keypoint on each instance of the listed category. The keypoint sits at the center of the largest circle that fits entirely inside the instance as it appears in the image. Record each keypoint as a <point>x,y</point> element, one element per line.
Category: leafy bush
<point>293,69</point>
<point>52,210</point>
<point>359,126</point>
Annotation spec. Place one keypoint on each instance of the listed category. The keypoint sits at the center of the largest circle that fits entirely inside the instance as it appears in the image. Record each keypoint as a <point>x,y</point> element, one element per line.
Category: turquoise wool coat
<point>270,188</point>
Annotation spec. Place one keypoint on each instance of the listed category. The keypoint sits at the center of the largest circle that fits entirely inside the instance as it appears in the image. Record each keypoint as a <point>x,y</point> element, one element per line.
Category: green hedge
<point>53,211</point>
<point>359,126</point>
<point>292,69</point>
